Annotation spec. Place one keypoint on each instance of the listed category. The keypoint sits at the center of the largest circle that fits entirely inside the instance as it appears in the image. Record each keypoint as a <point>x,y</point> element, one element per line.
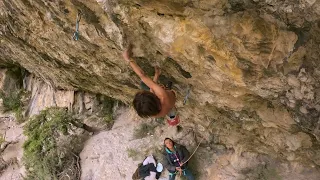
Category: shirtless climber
<point>158,102</point>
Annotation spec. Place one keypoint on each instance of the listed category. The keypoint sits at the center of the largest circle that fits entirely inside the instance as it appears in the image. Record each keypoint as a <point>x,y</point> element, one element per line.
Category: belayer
<point>175,160</point>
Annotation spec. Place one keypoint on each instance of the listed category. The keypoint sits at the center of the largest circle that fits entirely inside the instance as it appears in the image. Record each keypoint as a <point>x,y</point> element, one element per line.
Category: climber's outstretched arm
<point>147,80</point>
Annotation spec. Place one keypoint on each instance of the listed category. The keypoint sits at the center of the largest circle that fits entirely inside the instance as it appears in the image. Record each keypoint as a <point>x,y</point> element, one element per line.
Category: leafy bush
<point>11,101</point>
<point>106,112</point>
<point>19,115</point>
<point>2,140</point>
<point>107,105</point>
<point>132,153</point>
<point>50,151</point>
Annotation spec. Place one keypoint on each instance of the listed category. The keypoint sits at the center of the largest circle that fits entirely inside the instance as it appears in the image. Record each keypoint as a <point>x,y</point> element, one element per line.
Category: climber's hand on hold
<point>157,71</point>
<point>127,53</point>
<point>126,56</point>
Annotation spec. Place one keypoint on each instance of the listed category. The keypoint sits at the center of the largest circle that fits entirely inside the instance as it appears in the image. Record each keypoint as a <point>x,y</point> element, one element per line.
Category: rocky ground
<point>11,148</point>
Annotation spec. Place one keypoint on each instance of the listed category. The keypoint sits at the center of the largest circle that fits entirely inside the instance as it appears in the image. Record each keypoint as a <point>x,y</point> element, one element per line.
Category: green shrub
<point>107,105</point>
<point>2,140</point>
<point>11,101</point>
<point>106,112</point>
<point>132,153</point>
<point>108,119</point>
<point>50,151</point>
<point>19,116</point>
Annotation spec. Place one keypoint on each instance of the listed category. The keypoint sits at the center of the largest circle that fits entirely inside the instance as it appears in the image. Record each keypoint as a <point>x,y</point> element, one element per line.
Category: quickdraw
<point>187,96</point>
<point>76,33</point>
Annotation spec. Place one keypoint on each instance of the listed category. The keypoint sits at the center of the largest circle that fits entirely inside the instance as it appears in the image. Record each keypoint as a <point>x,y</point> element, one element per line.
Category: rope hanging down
<point>180,172</point>
<point>198,144</point>
<point>76,33</point>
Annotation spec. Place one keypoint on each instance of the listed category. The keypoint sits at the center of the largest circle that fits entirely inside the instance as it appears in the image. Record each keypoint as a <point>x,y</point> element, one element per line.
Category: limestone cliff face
<point>252,65</point>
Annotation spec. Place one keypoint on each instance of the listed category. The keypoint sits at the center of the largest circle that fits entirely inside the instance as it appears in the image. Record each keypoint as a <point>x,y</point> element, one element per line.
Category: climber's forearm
<point>155,79</point>
<point>147,80</point>
<point>136,69</point>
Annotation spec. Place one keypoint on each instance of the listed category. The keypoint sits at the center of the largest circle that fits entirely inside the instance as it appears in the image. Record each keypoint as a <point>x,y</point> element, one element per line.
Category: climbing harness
<point>178,159</point>
<point>180,172</point>
<point>76,33</point>
<point>187,95</point>
<point>172,117</point>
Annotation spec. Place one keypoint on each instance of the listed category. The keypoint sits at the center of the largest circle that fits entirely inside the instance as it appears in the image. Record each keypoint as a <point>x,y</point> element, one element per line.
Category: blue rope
<point>76,33</point>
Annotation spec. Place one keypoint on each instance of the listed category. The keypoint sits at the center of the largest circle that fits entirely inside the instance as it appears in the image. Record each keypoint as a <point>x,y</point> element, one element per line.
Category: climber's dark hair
<point>146,104</point>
